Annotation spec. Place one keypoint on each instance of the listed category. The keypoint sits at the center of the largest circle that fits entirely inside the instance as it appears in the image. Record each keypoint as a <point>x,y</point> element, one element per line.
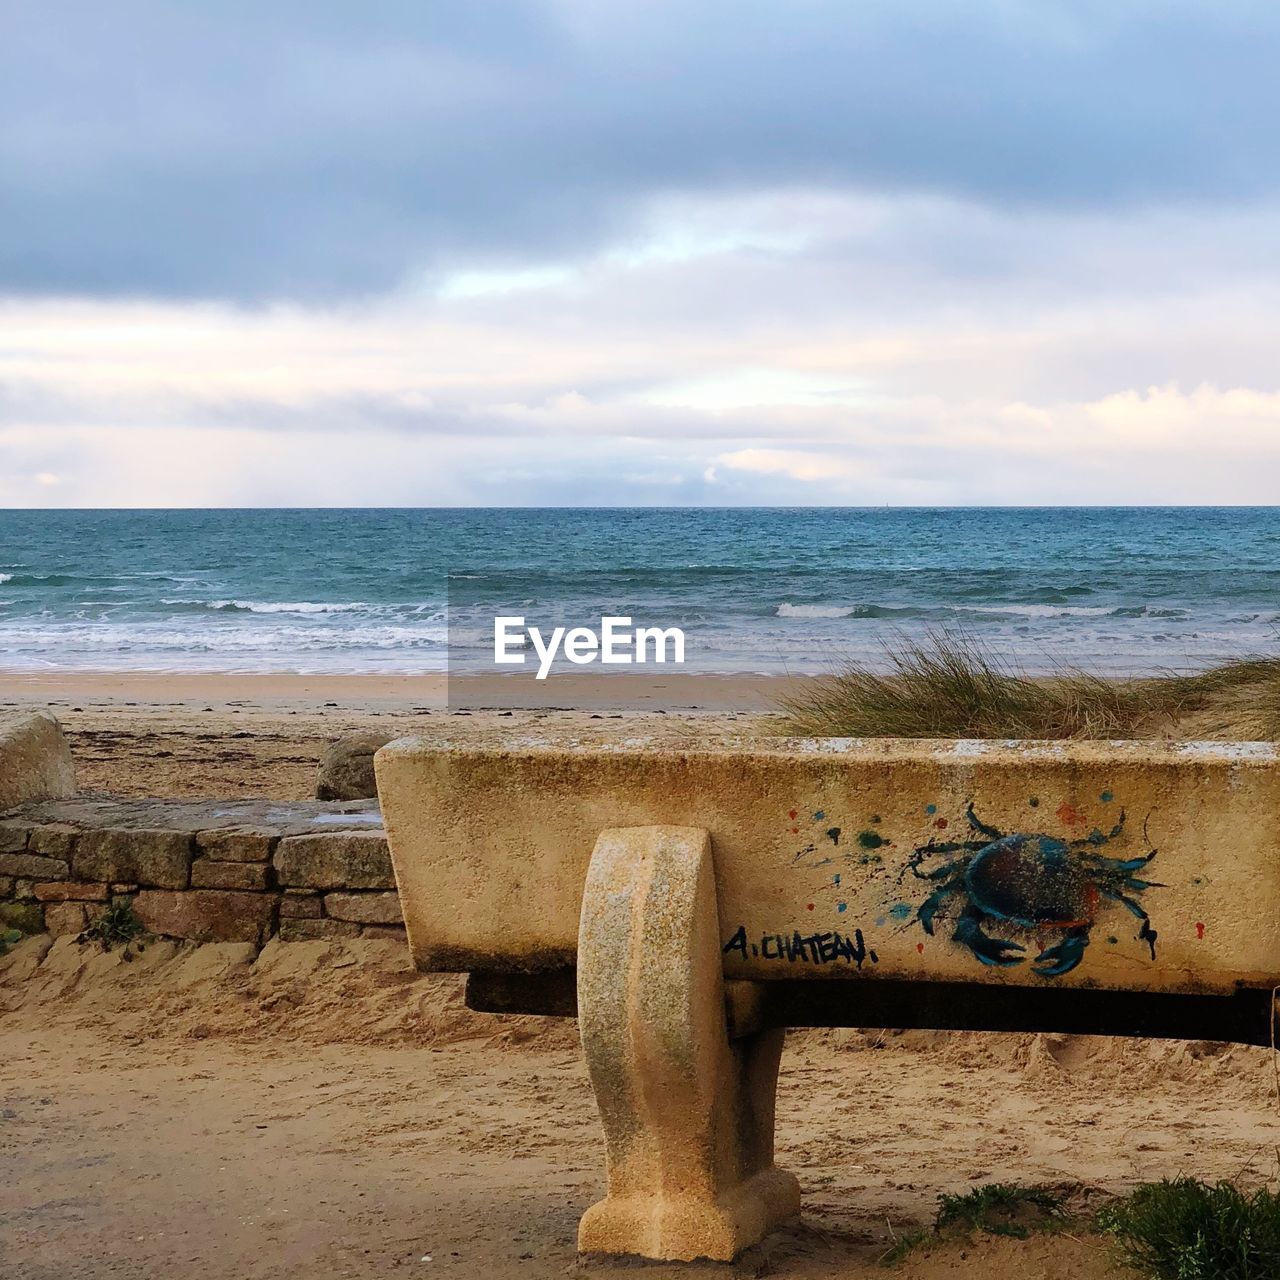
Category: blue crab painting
<point>1034,882</point>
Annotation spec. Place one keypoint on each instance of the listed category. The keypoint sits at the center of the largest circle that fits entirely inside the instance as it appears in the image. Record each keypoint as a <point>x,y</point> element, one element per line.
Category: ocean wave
<point>297,606</point>
<point>1043,610</point>
<point>787,610</point>
<point>44,579</point>
<point>942,612</point>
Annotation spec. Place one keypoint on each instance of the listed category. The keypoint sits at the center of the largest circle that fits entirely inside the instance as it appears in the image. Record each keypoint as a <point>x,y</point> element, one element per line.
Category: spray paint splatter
<point>1069,815</point>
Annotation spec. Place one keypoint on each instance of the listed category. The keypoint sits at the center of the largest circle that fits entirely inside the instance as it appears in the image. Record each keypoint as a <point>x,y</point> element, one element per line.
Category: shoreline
<point>434,691</point>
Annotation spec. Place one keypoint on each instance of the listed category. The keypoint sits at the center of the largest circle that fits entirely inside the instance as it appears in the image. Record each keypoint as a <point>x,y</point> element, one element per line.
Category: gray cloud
<point>319,149</point>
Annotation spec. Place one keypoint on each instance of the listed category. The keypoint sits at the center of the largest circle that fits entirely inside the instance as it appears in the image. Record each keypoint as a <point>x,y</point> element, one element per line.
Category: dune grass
<point>951,686</point>
<point>1185,1229</point>
<point>996,1208</point>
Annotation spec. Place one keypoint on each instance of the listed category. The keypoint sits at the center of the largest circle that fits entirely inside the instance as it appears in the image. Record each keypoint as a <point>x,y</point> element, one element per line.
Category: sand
<point>161,733</point>
<point>321,1110</point>
<point>324,1111</point>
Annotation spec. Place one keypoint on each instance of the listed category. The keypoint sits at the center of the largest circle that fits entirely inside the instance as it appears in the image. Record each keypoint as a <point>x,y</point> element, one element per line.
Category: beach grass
<point>950,685</point>
<point>1186,1229</point>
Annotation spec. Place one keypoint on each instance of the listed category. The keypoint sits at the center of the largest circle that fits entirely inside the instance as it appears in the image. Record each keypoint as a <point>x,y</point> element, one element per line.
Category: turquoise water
<point>1115,589</point>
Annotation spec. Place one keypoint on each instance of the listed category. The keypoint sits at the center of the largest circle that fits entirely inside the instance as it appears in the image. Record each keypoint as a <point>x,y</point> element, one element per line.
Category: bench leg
<point>687,1112</point>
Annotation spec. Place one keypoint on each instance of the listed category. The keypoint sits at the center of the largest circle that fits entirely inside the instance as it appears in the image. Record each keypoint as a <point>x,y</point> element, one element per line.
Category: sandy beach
<point>320,1109</point>
<point>163,733</point>
<point>323,1111</point>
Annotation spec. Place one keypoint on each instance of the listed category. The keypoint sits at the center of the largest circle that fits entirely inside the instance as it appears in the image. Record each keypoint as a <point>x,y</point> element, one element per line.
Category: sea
<point>777,590</point>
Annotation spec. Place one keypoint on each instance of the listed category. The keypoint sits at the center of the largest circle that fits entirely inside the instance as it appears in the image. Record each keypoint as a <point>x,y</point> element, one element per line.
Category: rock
<point>28,917</point>
<point>206,915</point>
<point>70,891</point>
<point>13,836</point>
<point>63,918</point>
<point>35,762</point>
<point>54,841</point>
<point>346,768</point>
<point>161,858</point>
<point>295,907</point>
<point>364,908</point>
<point>316,930</point>
<point>34,866</point>
<point>388,932</point>
<point>208,874</point>
<point>335,860</point>
<point>237,844</point>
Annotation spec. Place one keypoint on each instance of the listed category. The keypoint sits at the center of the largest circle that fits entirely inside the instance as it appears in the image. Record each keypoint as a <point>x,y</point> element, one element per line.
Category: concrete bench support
<point>687,1111</point>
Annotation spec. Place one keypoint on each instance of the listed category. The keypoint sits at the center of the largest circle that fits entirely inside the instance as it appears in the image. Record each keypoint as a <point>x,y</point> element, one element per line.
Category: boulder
<point>346,768</point>
<point>35,762</point>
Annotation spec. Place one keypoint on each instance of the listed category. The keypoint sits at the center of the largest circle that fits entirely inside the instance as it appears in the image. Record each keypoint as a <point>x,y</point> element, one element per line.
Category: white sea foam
<point>787,610</point>
<point>1042,610</point>
<point>6,577</point>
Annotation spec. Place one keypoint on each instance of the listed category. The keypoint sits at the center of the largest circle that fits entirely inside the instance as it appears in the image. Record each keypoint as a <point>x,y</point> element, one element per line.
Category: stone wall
<point>208,871</point>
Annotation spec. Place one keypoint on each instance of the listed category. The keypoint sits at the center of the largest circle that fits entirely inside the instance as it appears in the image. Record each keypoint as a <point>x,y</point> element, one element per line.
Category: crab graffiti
<point>1034,882</point>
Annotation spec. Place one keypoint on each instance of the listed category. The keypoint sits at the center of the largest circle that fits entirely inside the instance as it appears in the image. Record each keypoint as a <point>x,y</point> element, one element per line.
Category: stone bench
<point>690,905</point>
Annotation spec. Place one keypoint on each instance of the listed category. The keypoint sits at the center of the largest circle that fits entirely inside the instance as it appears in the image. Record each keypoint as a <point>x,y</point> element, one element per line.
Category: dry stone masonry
<point>204,870</point>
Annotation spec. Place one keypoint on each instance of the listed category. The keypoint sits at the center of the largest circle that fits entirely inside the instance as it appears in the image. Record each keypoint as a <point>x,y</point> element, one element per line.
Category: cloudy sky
<point>314,252</point>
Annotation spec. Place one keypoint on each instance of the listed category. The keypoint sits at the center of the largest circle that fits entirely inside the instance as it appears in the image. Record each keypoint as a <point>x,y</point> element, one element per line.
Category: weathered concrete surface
<point>828,855</point>
<point>688,1116</point>
<point>345,771</point>
<point>35,762</point>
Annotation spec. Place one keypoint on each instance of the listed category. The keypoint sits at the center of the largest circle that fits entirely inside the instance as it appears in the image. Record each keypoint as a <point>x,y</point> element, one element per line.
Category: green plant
<point>905,1245</point>
<point>998,1208</point>
<point>7,938</point>
<point>1185,1229</point>
<point>117,925</point>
